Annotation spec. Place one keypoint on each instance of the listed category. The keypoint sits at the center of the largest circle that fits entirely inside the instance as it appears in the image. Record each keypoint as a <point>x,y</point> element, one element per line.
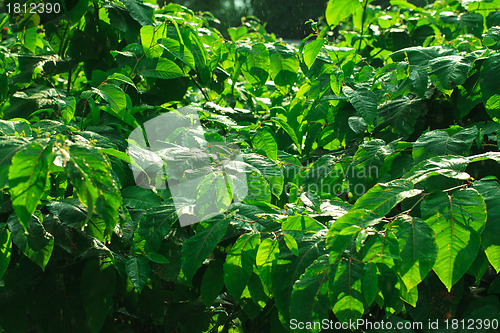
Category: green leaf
<point>381,249</point>
<point>448,166</point>
<point>487,307</point>
<point>114,95</point>
<point>4,19</point>
<point>4,83</point>
<point>255,63</point>
<point>338,10</point>
<point>479,266</point>
<point>137,269</point>
<point>490,90</point>
<point>449,71</point>
<point>258,187</point>
<point>418,249</point>
<point>97,288</point>
<point>390,294</point>
<point>311,246</point>
<point>264,140</point>
<point>257,292</point>
<point>420,56</point>
<point>5,250</point>
<point>157,258</point>
<point>214,188</point>
<point>457,220</point>
<point>403,4</point>
<point>29,38</point>
<point>343,232</point>
<point>381,198</point>
<point>309,301</point>
<point>436,143</point>
<point>140,198</point>
<point>239,263</point>
<point>345,289</point>
<point>75,14</point>
<point>289,130</point>
<point>15,128</point>
<point>468,97</point>
<point>494,286</point>
<point>269,170</point>
<point>119,77</point>
<point>473,22</point>
<point>369,282</point>
<point>198,49</point>
<point>311,51</point>
<point>160,68</point>
<point>419,79</point>
<point>291,244</point>
<point>364,101</point>
<point>69,211</point>
<point>153,229</point>
<point>337,54</point>
<point>198,247</point>
<point>357,124</point>
<point>367,165</point>
<point>178,51</point>
<point>28,175</point>
<point>115,153</point>
<point>266,260</point>
<point>284,67</point>
<point>139,11</point>
<point>336,81</point>
<point>212,283</point>
<point>322,177</point>
<point>90,175</point>
<point>237,33</point>
<point>67,107</point>
<point>34,241</point>
<point>9,146</point>
<point>495,156</point>
<point>409,296</point>
<point>149,37</point>
<point>299,225</point>
<point>492,38</point>
<point>492,106</point>
<point>490,191</point>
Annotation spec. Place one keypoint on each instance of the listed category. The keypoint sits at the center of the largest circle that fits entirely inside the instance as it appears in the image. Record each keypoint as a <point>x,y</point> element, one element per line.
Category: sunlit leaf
<point>457,221</point>
<point>28,176</point>
<point>239,263</point>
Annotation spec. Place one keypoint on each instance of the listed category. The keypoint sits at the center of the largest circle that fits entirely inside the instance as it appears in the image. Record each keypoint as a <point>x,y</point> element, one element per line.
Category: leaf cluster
<point>370,152</point>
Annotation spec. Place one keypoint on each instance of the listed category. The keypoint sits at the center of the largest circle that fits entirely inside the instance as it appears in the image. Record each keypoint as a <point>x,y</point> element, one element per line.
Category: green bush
<point>371,158</point>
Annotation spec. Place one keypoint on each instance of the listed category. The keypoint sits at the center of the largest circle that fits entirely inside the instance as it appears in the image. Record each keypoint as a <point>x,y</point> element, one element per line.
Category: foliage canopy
<point>371,154</point>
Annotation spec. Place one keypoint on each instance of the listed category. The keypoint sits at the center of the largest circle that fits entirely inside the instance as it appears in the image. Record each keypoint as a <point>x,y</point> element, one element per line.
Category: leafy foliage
<point>370,152</point>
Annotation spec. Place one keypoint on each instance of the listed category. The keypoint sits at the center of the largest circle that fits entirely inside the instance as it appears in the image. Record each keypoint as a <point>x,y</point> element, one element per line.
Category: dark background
<point>285,18</point>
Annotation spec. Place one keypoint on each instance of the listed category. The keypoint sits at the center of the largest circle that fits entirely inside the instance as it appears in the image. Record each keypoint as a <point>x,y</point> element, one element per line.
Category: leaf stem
<point>199,87</point>
<point>68,89</point>
<point>363,16</point>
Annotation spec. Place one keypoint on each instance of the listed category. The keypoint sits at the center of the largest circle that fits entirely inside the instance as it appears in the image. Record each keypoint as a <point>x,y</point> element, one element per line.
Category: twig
<point>365,4</point>
<point>70,72</point>
<point>199,87</point>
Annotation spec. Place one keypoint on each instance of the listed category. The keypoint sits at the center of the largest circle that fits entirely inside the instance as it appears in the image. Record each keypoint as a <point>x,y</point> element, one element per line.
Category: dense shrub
<point>370,154</point>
